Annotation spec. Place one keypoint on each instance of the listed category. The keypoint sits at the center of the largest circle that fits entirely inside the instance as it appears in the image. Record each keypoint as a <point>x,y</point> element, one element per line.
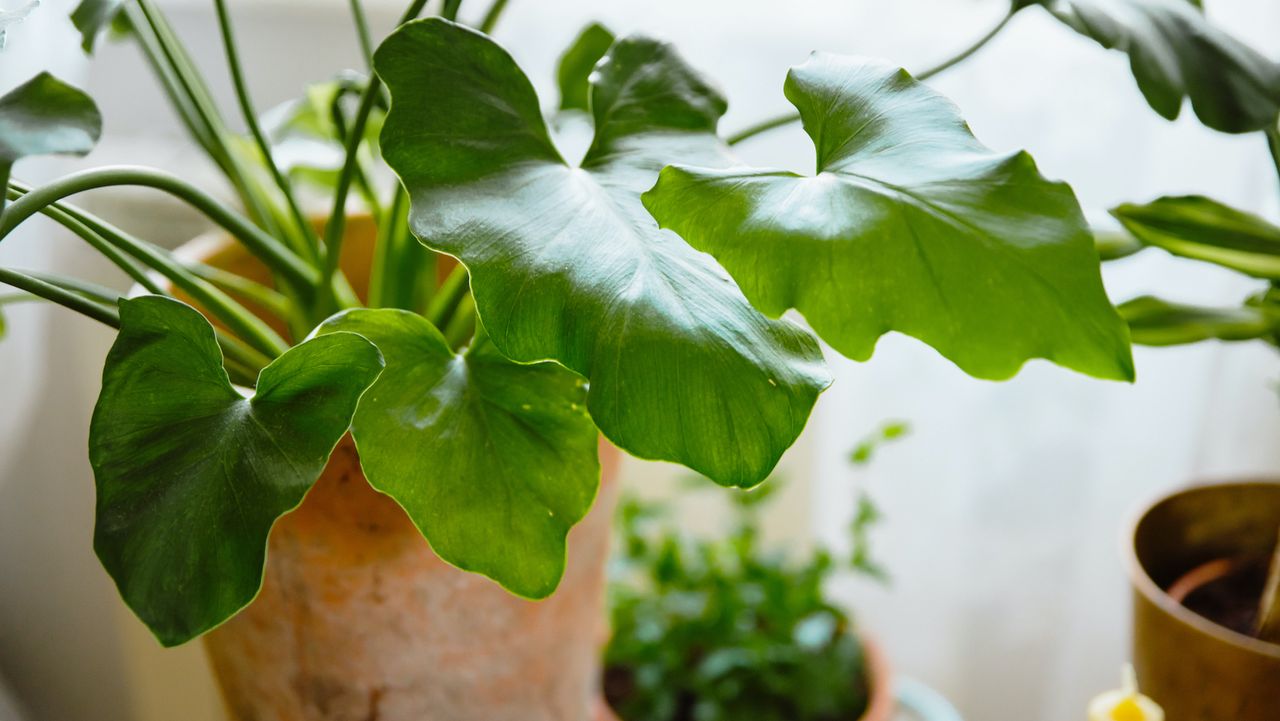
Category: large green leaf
<point>1203,229</point>
<point>567,265</point>
<point>1158,322</point>
<point>494,461</point>
<point>1176,53</point>
<point>45,116</point>
<point>92,17</point>
<point>574,70</point>
<point>191,474</point>
<point>910,225</point>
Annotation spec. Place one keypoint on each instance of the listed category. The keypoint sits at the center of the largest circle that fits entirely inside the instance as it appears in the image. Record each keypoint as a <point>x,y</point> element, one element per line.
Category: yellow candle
<point>1125,704</point>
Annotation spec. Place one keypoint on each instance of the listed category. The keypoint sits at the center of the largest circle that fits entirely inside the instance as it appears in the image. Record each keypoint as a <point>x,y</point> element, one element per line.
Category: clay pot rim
<point>195,250</point>
<point>881,704</point>
<point>1143,582</point>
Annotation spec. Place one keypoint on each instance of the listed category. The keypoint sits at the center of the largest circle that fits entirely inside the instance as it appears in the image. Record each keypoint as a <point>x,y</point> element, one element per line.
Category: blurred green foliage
<point>727,628</point>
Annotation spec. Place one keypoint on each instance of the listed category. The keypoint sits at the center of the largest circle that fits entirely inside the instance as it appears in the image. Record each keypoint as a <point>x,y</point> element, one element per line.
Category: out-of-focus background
<point>1004,507</point>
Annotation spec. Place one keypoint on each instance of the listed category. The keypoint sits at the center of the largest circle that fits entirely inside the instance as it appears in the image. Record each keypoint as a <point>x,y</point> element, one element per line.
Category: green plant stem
<point>1115,244</point>
<point>450,10</point>
<point>335,231</point>
<point>491,18</point>
<point>183,105</point>
<point>787,119</point>
<point>63,297</point>
<point>262,245</point>
<point>212,299</point>
<point>193,87</point>
<point>362,33</point>
<point>310,241</point>
<point>1273,145</point>
<point>967,52</point>
<point>117,258</point>
<point>461,327</point>
<point>384,251</point>
<point>272,301</point>
<point>443,304</point>
<point>105,238</point>
<point>94,292</point>
<point>242,362</point>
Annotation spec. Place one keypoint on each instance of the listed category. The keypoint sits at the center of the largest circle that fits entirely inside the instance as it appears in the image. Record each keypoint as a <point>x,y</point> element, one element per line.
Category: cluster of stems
<point>271,223</point>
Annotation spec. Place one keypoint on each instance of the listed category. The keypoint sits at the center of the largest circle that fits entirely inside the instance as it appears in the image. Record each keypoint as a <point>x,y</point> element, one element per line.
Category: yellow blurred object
<point>1126,704</point>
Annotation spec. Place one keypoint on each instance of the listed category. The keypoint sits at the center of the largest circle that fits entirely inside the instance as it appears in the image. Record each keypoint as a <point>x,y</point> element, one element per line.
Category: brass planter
<point>1194,668</point>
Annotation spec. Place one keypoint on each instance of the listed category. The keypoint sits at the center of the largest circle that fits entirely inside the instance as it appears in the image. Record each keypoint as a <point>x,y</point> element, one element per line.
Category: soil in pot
<point>1226,592</point>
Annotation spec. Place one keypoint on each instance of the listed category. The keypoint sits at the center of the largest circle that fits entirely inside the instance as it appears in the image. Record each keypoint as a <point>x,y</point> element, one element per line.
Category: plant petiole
<point>262,245</point>
<point>787,119</point>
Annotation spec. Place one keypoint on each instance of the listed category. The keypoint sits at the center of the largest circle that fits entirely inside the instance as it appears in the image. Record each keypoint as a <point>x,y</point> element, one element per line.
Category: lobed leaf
<point>1176,53</point>
<point>1158,322</point>
<point>492,460</point>
<point>1200,228</point>
<point>191,475</point>
<point>92,17</point>
<point>576,64</point>
<point>567,265</point>
<point>45,116</point>
<point>910,225</point>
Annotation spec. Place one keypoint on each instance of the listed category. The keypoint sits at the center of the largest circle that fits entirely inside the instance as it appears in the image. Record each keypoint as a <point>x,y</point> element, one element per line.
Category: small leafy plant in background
<point>727,628</point>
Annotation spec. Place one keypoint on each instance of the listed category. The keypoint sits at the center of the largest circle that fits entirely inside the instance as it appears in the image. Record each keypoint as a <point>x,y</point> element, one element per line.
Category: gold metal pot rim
<point>1142,581</point>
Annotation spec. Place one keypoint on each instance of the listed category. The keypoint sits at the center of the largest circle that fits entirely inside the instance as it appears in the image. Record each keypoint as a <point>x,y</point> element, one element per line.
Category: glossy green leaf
<point>910,225</point>
<point>45,116</point>
<point>574,71</point>
<point>494,461</point>
<point>92,17</point>
<point>567,265</point>
<point>1203,229</point>
<point>1115,244</point>
<point>191,474</point>
<point>1176,53</point>
<point>1157,322</point>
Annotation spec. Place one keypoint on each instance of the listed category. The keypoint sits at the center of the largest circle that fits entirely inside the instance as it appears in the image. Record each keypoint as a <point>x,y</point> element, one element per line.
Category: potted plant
<point>1202,560</point>
<point>637,294</point>
<point>730,627</point>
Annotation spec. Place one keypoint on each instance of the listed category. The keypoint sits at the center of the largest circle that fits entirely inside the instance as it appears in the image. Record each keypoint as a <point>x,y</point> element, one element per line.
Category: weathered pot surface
<point>1194,668</point>
<point>358,620</point>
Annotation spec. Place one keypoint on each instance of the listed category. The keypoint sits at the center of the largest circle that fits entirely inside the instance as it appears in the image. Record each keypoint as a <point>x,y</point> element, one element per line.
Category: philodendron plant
<point>641,292</point>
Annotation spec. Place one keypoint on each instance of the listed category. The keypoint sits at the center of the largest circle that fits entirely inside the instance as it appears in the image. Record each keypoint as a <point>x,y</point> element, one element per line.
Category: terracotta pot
<point>359,621</point>
<point>881,706</point>
<point>1194,668</point>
